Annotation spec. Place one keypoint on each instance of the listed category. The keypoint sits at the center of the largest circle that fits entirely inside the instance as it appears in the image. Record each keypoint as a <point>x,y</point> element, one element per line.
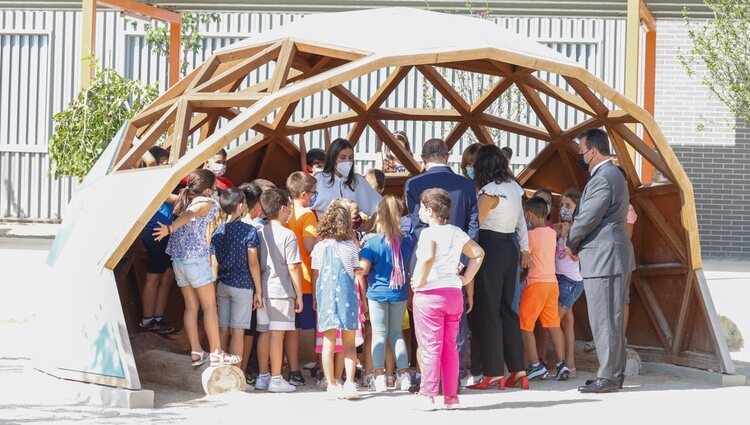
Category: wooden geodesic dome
<point>672,315</point>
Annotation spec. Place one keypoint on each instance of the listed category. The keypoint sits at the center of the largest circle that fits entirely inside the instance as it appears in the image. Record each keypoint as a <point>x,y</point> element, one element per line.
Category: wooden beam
<point>207,70</point>
<point>648,154</point>
<point>645,15</point>
<point>559,94</point>
<point>649,92</point>
<point>491,95</point>
<point>445,88</point>
<point>455,134</point>
<point>653,309</point>
<point>321,122</point>
<point>396,147</point>
<point>388,86</point>
<point>125,145</point>
<point>248,147</point>
<point>172,92</point>
<point>147,117</point>
<point>625,160</point>
<point>478,67</point>
<point>145,10</point>
<point>571,168</point>
<point>687,294</point>
<point>175,44</point>
<point>349,99</point>
<point>208,128</point>
<point>540,109</point>
<point>541,158</point>
<point>416,114</point>
<point>573,132</point>
<point>481,132</point>
<point>181,131</point>
<point>514,127</point>
<point>240,71</point>
<point>356,132</point>
<point>149,139</point>
<point>588,96</point>
<point>660,223</point>
<point>661,269</point>
<point>203,101</point>
<point>282,118</point>
<point>322,49</point>
<point>88,41</point>
<point>283,63</point>
<point>244,52</point>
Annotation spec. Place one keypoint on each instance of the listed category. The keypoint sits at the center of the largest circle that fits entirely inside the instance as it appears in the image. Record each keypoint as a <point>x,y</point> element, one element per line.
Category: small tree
<point>723,45</point>
<point>86,126</point>
<point>191,37</point>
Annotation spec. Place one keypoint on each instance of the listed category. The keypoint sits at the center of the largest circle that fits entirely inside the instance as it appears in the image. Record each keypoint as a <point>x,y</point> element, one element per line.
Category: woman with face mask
<point>467,160</point>
<point>338,180</point>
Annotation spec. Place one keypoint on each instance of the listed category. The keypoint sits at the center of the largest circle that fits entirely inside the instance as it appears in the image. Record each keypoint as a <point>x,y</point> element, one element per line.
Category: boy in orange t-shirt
<point>539,299</point>
<point>303,223</point>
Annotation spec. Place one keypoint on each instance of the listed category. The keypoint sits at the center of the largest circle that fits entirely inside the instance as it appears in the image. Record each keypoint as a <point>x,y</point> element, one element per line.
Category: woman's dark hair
<point>439,201</point>
<point>198,182</point>
<point>332,154</point>
<point>467,157</point>
<point>490,165</point>
<point>574,195</point>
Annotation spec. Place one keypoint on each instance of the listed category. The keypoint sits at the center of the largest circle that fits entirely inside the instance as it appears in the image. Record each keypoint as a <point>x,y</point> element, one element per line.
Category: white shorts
<point>277,314</point>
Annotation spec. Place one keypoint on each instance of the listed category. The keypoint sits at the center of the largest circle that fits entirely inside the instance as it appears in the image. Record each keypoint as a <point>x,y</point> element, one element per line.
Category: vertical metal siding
<point>39,75</point>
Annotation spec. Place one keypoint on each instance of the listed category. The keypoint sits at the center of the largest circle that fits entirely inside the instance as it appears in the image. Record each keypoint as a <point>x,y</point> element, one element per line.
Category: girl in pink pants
<point>438,300</point>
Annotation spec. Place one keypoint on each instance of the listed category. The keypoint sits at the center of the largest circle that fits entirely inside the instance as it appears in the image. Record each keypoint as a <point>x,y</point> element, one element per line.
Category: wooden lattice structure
<point>672,315</point>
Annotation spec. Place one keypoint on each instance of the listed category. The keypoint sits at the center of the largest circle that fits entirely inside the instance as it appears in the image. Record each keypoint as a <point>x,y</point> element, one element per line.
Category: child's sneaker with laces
<point>563,372</point>
<point>404,382</point>
<point>262,382</point>
<point>538,370</point>
<point>349,391</point>
<point>333,392</point>
<point>296,379</point>
<point>426,403</point>
<point>379,384</point>
<point>451,403</point>
<point>280,385</point>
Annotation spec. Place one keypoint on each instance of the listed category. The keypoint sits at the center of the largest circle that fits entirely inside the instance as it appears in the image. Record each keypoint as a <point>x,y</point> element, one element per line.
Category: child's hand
<point>160,232</point>
<point>363,305</point>
<point>257,301</point>
<point>570,254</point>
<point>315,303</point>
<point>469,303</point>
<point>299,304</point>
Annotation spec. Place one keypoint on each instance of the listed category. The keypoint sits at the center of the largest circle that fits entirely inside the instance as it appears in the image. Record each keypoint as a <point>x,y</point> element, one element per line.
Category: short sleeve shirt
<point>230,243</point>
<point>278,249</point>
<point>304,225</point>
<point>380,256</point>
<point>449,241</point>
<point>542,245</point>
<point>347,251</point>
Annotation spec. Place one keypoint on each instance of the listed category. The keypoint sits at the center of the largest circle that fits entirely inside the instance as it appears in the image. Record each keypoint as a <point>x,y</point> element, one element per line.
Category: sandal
<point>202,358</point>
<point>221,358</point>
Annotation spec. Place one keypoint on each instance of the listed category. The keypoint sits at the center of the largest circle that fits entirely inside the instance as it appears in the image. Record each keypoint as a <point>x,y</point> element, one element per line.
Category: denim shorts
<point>195,272</point>
<point>235,306</point>
<point>570,290</point>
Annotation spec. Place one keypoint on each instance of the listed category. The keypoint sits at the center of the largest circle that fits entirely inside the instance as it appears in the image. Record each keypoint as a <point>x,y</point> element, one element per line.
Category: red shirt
<point>222,183</point>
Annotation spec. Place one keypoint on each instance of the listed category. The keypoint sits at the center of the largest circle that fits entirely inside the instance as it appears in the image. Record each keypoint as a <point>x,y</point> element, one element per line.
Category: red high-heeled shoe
<point>488,382</point>
<point>521,382</point>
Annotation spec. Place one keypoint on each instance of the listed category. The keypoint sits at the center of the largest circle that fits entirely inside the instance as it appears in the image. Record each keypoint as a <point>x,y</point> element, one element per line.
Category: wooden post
<point>649,82</point>
<point>175,42</point>
<point>88,40</point>
<point>632,48</point>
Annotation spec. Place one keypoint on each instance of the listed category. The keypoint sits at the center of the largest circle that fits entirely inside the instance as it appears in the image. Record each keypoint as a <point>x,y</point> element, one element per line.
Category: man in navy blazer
<point>464,212</point>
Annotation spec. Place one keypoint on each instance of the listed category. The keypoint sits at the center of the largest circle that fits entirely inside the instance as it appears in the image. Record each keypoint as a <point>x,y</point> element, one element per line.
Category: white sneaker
<point>471,380</point>
<point>368,382</point>
<point>249,388</point>
<point>280,385</point>
<point>350,391</point>
<point>309,365</point>
<point>379,384</point>
<point>426,403</point>
<point>404,381</point>
<point>262,382</point>
<point>333,392</point>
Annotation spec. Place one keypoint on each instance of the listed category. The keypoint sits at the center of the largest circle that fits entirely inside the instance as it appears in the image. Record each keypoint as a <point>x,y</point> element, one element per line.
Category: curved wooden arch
<point>672,315</point>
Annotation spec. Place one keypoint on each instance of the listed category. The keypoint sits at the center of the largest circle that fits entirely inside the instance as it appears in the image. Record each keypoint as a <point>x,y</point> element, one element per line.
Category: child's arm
<point>198,210</point>
<point>424,265</point>
<point>214,267</point>
<point>361,274</point>
<point>254,266</point>
<point>295,272</point>
<point>313,280</point>
<point>475,253</point>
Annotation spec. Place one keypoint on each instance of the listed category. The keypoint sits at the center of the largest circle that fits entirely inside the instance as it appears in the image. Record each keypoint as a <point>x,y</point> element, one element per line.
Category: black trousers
<point>494,321</point>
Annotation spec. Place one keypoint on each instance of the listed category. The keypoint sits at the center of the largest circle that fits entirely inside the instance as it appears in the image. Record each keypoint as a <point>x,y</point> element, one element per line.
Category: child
<point>383,279</point>
<point>188,246</point>
<point>159,276</point>
<point>217,164</point>
<point>303,223</point>
<point>234,255</point>
<point>334,260</point>
<point>316,159</point>
<point>438,300</point>
<point>540,297</point>
<point>376,179</point>
<point>280,275</point>
<point>569,277</point>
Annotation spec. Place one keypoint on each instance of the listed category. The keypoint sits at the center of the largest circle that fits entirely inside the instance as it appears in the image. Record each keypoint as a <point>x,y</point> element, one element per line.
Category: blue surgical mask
<point>313,198</point>
<point>470,172</point>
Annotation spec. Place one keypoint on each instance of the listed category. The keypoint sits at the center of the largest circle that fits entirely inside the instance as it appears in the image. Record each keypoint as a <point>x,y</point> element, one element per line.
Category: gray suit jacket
<point>598,232</point>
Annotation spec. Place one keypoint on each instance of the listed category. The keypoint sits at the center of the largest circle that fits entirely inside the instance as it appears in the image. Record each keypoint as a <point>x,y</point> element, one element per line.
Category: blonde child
<point>188,246</point>
<point>376,179</point>
<point>334,261</point>
<point>438,300</point>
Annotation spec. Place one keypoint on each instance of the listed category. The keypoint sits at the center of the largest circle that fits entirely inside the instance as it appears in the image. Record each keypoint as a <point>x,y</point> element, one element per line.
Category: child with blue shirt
<point>234,260</point>
<point>383,278</point>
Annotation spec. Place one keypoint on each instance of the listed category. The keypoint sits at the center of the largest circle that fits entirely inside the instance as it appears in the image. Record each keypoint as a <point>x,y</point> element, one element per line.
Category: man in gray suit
<point>598,238</point>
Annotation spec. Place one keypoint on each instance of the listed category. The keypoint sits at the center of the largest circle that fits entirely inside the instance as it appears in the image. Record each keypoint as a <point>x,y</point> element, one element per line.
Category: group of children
<point>279,269</point>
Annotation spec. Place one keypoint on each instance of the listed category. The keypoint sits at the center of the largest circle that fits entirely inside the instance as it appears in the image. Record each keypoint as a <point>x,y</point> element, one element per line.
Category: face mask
<point>218,169</point>
<point>344,168</point>
<point>566,214</point>
<point>317,170</point>
<point>582,160</point>
<point>470,172</point>
<point>424,216</point>
<point>357,221</point>
<point>313,198</point>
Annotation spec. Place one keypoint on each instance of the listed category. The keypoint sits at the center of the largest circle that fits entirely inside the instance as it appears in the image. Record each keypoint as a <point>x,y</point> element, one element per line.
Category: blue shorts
<point>195,272</point>
<point>157,259</point>
<point>307,318</point>
<point>570,290</point>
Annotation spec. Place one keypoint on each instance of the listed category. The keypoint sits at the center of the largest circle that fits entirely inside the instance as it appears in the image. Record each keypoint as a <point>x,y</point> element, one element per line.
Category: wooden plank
<point>204,101</point>
<point>657,189</point>
<point>537,163</point>
<point>574,131</point>
<point>395,146</point>
<point>653,309</point>
<point>266,162</point>
<point>244,52</point>
<point>125,145</point>
<point>236,74</point>
<point>646,17</point>
<point>540,109</point>
<point>660,222</point>
<point>320,122</point>
<point>491,95</point>
<point>571,169</point>
<point>322,49</point>
<point>680,329</point>
<point>143,10</point>
<point>455,134</point>
<point>208,128</point>
<point>648,154</point>
<point>445,88</point>
<point>282,118</point>
<point>416,114</point>
<point>514,126</point>
<point>356,132</point>
<point>283,63</point>
<point>481,132</point>
<point>388,86</point>
<point>148,140</point>
<point>207,70</point>
<point>559,94</point>
<point>180,135</point>
<point>478,67</point>
<point>152,114</point>
<point>248,147</point>
<point>626,161</point>
<point>348,98</point>
<point>588,96</point>
<point>661,269</point>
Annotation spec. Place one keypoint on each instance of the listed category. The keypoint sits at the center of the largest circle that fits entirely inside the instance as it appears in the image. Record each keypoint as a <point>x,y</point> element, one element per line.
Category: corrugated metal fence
<point>39,75</point>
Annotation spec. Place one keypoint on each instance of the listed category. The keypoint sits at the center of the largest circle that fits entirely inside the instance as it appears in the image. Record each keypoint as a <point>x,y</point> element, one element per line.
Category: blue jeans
<point>386,319</point>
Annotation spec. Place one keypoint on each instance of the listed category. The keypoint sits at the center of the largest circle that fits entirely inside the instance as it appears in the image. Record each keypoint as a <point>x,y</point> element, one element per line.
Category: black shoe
<point>159,327</point>
<point>563,372</point>
<point>599,386</point>
<point>296,379</point>
<point>620,381</point>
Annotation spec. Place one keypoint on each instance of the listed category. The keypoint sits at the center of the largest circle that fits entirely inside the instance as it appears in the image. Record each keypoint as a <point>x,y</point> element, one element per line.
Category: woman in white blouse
<point>494,321</point>
<point>338,180</point>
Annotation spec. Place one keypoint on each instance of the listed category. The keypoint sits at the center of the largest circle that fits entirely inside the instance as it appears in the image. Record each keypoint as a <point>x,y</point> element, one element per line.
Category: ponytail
<point>388,223</point>
<point>198,182</point>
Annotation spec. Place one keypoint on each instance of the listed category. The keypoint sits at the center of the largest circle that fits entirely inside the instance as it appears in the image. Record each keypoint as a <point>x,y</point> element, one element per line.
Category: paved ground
<point>27,396</point>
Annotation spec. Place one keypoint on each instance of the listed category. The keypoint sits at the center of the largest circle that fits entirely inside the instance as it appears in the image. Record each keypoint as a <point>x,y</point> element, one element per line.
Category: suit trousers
<point>605,297</point>
<point>493,319</point>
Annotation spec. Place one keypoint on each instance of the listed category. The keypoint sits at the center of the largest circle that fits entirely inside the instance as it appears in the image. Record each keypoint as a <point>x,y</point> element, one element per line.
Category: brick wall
<point>717,158</point>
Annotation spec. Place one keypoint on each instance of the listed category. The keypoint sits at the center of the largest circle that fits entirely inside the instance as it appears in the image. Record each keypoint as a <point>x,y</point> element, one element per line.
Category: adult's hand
<point>160,232</point>
<point>525,259</point>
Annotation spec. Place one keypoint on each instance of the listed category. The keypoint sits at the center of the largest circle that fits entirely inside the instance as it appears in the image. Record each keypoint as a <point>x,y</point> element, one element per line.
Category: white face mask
<point>344,168</point>
<point>317,169</point>
<point>424,216</point>
<point>218,169</point>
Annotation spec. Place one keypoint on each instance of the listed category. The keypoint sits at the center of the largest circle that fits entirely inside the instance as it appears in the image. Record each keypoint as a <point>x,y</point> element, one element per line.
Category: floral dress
<point>335,288</point>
